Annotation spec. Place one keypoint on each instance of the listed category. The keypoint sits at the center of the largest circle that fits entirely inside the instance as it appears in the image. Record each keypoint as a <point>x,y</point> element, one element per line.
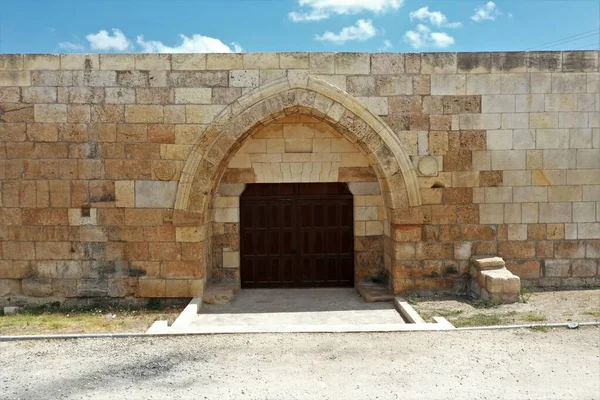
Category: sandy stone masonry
<point>120,174</point>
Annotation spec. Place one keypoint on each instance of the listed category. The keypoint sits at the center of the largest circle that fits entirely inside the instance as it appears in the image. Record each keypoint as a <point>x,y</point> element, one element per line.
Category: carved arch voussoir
<point>284,96</point>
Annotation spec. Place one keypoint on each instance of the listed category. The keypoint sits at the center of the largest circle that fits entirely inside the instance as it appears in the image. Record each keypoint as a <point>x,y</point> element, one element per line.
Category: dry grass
<point>50,320</point>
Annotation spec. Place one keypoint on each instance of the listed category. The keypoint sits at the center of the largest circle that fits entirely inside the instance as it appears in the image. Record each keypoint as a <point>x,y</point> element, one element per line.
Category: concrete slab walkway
<point>295,310</point>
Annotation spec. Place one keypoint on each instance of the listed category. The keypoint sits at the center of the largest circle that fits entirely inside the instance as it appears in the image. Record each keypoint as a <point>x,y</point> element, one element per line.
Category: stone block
<point>293,60</point>
<point>491,213</point>
<point>579,61</point>
<point>321,63</point>
<point>483,84</point>
<point>224,61</point>
<point>504,103</point>
<point>387,63</point>
<point>389,85</point>
<point>243,78</point>
<point>50,112</point>
<point>152,62</point>
<point>79,61</point>
<point>352,63</point>
<point>557,268</point>
<point>188,62</point>
<point>155,194</point>
<point>448,85</point>
<point>544,61</point>
<point>144,114</point>
<point>508,159</point>
<point>39,95</point>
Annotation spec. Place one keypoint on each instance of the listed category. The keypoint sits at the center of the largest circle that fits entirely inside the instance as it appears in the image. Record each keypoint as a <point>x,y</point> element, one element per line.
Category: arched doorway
<point>208,196</point>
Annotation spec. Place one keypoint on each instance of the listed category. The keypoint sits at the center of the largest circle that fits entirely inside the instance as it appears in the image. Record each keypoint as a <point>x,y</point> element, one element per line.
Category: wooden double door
<point>296,235</point>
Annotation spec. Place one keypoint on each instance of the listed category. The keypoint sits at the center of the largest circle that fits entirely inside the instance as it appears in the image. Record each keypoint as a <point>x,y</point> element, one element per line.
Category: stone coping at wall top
<point>315,62</point>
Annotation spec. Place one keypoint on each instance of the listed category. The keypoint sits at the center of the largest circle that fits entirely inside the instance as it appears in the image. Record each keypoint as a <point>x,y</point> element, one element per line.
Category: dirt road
<point>508,364</point>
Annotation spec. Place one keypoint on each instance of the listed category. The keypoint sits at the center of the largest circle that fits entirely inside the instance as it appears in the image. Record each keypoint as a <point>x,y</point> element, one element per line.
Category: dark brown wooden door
<point>296,235</point>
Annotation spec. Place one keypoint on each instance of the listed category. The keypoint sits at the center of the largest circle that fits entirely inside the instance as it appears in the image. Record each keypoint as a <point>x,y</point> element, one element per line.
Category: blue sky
<point>47,26</point>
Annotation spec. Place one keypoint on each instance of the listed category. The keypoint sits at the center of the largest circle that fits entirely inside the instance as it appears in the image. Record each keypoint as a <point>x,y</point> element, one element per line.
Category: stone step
<point>220,293</point>
<point>375,292</point>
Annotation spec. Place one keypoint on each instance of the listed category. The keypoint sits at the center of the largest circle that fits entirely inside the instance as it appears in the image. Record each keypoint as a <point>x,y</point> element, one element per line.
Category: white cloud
<point>386,46</point>
<point>423,37</point>
<point>195,44</point>
<point>441,39</point>
<point>70,46</point>
<point>361,31</point>
<point>322,9</point>
<point>486,12</point>
<point>435,18</point>
<point>105,41</point>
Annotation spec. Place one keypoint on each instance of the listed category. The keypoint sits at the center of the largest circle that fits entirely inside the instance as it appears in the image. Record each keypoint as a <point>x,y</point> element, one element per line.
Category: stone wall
<point>109,163</point>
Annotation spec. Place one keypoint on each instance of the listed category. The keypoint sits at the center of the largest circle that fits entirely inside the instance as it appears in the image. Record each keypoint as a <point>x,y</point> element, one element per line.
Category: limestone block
<point>583,177</point>
<point>361,85</point>
<point>483,84</point>
<point>226,215</point>
<point>293,61</point>
<point>584,212</point>
<point>113,95</point>
<point>573,120</point>
<point>243,78</point>
<point>498,103</point>
<point>155,194</point>
<point>50,112</point>
<point>15,78</point>
<point>193,95</point>
<point>499,139</point>
<point>555,212</point>
<point>94,78</point>
<point>216,61</point>
<point>78,218</point>
<point>448,84</point>
<point>352,63</point>
<point>387,63</point>
<point>593,82</point>
<point>587,102</point>
<point>543,120</point>
<point>529,212</point>
<point>509,62</point>
<point>11,62</point>
<point>41,62</point>
<point>569,83</point>
<point>591,193</point>
<point>515,121</point>
<point>524,139</point>
<point>131,78</point>
<point>544,61</point>
<point>39,95</point>
<point>588,158</point>
<point>491,213</point>
<point>512,213</point>
<point>588,230</point>
<point>474,62</point>
<point>540,83</point>
<point>391,85</point>
<point>87,95</point>
<point>552,138</point>
<point>514,83</point>
<point>508,159</point>
<point>321,63</point>
<point>198,79</point>
<point>267,75</point>
<point>516,178</point>
<point>530,194</point>
<point>498,194</point>
<point>559,159</point>
<point>437,63</point>
<point>377,105</point>
<point>529,103</point>
<point>231,259</point>
<point>79,61</point>
<point>125,194</point>
<point>260,60</point>
<point>481,160</point>
<point>517,231</point>
<point>480,121</point>
<point>203,114</point>
<point>188,62</point>
<point>577,61</point>
<point>465,178</point>
<point>557,268</point>
<point>120,62</point>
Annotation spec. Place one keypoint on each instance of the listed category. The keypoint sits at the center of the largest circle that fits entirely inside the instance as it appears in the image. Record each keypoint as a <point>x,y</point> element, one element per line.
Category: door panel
<point>296,235</point>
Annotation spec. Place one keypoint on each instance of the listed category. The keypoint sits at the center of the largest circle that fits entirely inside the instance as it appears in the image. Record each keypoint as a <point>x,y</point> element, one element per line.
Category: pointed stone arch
<point>308,95</point>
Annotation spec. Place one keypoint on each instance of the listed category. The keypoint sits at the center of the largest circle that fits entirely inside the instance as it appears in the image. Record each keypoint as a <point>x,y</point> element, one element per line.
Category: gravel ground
<point>503,364</point>
<point>554,306</point>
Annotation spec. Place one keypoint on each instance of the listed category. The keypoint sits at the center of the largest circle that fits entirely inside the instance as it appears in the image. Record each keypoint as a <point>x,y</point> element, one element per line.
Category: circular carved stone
<point>428,165</point>
<point>164,171</point>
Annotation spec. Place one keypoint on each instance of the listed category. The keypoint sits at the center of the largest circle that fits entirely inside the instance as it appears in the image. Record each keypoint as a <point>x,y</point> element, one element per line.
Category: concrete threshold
<point>401,317</point>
